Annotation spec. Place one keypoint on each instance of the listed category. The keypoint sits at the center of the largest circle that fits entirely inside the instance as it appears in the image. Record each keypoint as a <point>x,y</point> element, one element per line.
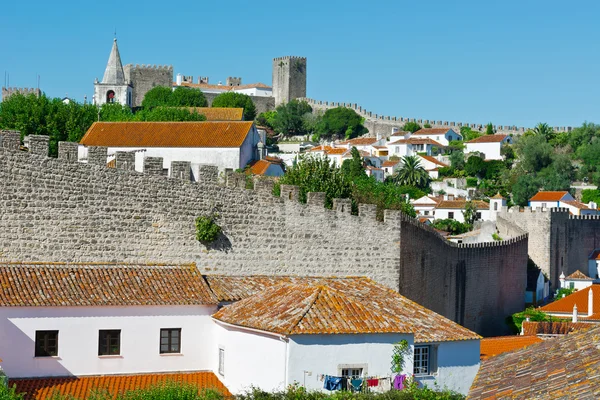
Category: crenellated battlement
<point>150,67</point>
<point>7,92</point>
<point>290,58</point>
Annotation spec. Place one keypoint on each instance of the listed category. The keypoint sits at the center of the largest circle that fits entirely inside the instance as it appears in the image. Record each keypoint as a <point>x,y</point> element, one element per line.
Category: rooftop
<point>434,160</point>
<point>389,163</point>
<point>431,131</point>
<point>83,387</point>
<point>461,203</point>
<point>497,345</point>
<point>548,196</point>
<point>489,139</point>
<point>566,367</point>
<point>102,284</point>
<point>339,306</point>
<point>260,167</point>
<point>578,275</point>
<point>554,327</point>
<point>580,297</point>
<point>417,141</point>
<point>220,113</point>
<point>576,204</point>
<point>167,134</point>
<point>362,141</point>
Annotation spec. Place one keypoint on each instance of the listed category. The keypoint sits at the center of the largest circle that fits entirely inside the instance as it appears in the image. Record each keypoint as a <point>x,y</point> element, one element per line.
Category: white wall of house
<point>578,284</point>
<point>491,150</point>
<point>444,139</point>
<point>251,358</point>
<point>577,211</point>
<point>79,334</point>
<point>457,364</point>
<point>444,213</point>
<point>328,354</point>
<point>263,92</point>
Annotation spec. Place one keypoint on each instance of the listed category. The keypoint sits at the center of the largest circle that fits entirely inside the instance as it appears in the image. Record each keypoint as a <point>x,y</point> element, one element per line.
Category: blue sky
<point>508,62</point>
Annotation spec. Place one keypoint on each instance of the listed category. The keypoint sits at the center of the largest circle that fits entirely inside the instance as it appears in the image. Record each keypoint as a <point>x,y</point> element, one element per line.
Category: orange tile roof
<point>554,327</point>
<point>566,367</point>
<point>548,196</point>
<point>340,306</point>
<point>337,151</point>
<point>360,141</point>
<point>167,134</point>
<point>82,387</point>
<point>417,141</point>
<point>497,196</point>
<point>390,163</point>
<point>579,275</point>
<point>498,345</point>
<point>488,139</point>
<point>580,297</point>
<point>321,148</point>
<point>400,133</point>
<point>220,113</point>
<point>260,167</point>
<point>431,131</point>
<point>434,160</point>
<point>460,204</point>
<point>224,88</point>
<point>576,204</point>
<point>102,284</point>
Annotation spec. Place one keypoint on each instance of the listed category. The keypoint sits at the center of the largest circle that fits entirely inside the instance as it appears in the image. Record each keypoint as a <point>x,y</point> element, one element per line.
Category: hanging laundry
<point>356,384</point>
<point>333,382</point>
<point>372,382</point>
<point>345,383</point>
<point>399,381</point>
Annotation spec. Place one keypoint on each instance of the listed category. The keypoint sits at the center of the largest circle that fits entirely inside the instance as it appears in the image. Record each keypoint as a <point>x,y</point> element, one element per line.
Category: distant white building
<point>563,199</point>
<point>431,165</point>
<point>577,280</point>
<point>489,145</point>
<point>231,85</point>
<point>455,209</point>
<point>440,135</point>
<point>594,264</point>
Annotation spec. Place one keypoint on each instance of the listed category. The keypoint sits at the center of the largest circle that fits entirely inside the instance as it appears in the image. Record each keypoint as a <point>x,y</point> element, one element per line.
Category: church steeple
<point>114,74</point>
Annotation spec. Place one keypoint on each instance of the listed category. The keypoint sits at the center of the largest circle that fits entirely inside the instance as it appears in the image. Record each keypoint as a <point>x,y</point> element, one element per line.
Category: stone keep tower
<point>289,78</point>
<point>113,88</point>
<point>145,77</point>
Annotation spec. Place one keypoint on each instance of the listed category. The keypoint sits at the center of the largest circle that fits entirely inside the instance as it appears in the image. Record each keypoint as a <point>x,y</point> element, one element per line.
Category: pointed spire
<point>114,74</point>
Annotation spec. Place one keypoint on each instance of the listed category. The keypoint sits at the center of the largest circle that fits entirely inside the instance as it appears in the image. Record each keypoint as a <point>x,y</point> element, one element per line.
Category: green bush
<point>472,182</point>
<point>207,230</point>
<point>7,393</point>
<point>451,226</point>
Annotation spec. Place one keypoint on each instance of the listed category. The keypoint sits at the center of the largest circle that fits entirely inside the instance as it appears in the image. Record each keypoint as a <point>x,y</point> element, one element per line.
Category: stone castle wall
<point>62,210</point>
<point>289,78</point>
<point>145,77</point>
<point>7,92</point>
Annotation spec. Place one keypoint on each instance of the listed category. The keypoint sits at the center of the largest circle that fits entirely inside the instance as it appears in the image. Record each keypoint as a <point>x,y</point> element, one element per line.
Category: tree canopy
<point>182,96</point>
<point>236,100</point>
<point>412,173</point>
<point>289,117</point>
<point>411,126</point>
<point>341,122</point>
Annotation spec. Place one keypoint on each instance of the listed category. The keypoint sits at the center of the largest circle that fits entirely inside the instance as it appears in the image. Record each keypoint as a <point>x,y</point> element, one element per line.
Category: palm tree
<point>544,130</point>
<point>412,173</point>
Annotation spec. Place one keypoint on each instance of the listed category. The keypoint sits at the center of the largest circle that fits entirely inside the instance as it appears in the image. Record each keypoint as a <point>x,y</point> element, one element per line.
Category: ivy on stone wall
<point>207,230</point>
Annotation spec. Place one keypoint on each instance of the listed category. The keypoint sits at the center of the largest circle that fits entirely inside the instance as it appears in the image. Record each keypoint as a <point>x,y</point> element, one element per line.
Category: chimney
<point>445,197</point>
<point>590,301</point>
<point>179,79</point>
<point>561,278</point>
<point>450,197</point>
<point>574,313</point>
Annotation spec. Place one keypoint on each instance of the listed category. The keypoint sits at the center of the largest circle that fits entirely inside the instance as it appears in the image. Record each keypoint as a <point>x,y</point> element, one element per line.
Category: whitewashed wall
<point>262,92</point>
<point>442,213</point>
<point>78,339</point>
<point>251,359</point>
<point>491,150</point>
<point>325,354</point>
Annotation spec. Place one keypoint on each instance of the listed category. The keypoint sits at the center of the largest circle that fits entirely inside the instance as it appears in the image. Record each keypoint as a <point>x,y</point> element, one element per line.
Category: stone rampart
<point>7,92</point>
<point>383,124</point>
<point>59,210</point>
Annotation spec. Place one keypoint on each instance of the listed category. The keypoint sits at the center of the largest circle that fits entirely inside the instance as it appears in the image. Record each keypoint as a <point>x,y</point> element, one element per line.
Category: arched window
<point>110,96</point>
<point>495,206</point>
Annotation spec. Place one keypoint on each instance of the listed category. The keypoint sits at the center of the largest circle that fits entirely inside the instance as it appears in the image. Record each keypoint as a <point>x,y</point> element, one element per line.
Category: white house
<point>439,135</point>
<point>544,199</point>
<point>231,85</point>
<point>496,204</point>
<point>389,167</point>
<point>377,173</point>
<point>59,321</point>
<point>577,280</point>
<point>412,146</point>
<point>455,208</point>
<point>538,287</point>
<point>425,206</point>
<point>489,145</point>
<point>594,264</point>
<point>431,165</point>
<point>226,144</point>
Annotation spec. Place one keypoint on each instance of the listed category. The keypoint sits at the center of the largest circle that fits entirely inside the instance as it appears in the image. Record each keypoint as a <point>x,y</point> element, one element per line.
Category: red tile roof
<point>362,141</point>
<point>566,367</point>
<point>461,203</point>
<point>167,134</point>
<point>220,113</point>
<point>341,306</point>
<point>417,141</point>
<point>576,204</point>
<point>224,88</point>
<point>580,276</point>
<point>321,148</point>
<point>488,139</point>
<point>260,167</point>
<point>498,345</point>
<point>554,327</point>
<point>390,163</point>
<point>83,387</point>
<point>102,284</point>
<point>431,131</point>
<point>497,196</point>
<point>580,297</point>
<point>433,160</point>
<point>548,196</point>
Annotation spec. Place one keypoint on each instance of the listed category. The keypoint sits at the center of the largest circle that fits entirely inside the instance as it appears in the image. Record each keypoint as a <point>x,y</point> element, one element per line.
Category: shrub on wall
<point>207,230</point>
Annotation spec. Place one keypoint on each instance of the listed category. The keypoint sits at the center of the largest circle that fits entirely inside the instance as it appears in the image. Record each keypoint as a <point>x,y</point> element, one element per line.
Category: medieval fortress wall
<point>62,210</point>
<point>145,77</point>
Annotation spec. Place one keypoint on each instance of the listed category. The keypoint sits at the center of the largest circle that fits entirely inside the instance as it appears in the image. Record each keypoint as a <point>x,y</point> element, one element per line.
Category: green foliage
<point>534,152</point>
<point>207,230</point>
<point>544,130</point>
<point>7,393</point>
<point>427,126</point>
<point>168,114</point>
<point>384,195</point>
<point>469,134</point>
<point>236,100</point>
<point>489,129</point>
<point>475,166</point>
<point>161,96</point>
<point>266,118</point>
<point>451,226</point>
<point>472,182</point>
<point>411,126</point>
<point>524,189</point>
<point>470,213</point>
<point>353,168</point>
<point>588,195</point>
<point>289,118</point>
<point>515,321</point>
<point>494,168</point>
<point>496,237</point>
<point>563,292</point>
<point>399,353</point>
<point>583,135</point>
<point>340,122</point>
<point>157,96</point>
<point>457,159</point>
<point>412,173</point>
<point>558,175</point>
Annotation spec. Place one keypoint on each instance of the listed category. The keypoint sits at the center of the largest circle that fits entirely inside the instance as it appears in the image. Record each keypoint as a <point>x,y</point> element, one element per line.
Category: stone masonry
<point>54,210</point>
<point>145,77</point>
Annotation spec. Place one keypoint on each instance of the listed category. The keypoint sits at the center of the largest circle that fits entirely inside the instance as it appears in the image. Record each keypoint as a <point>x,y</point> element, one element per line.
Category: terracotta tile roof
<point>498,345</point>
<point>488,139</point>
<point>220,113</point>
<point>224,88</point>
<point>431,131</point>
<point>580,297</point>
<point>548,196</point>
<point>532,328</point>
<point>460,204</point>
<point>362,153</point>
<point>63,284</point>
<point>260,167</point>
<point>390,163</point>
<point>167,134</point>
<point>82,387</point>
<point>566,367</point>
<point>400,133</point>
<point>360,141</point>
<point>336,151</point>
<point>579,275</point>
<point>321,148</point>
<point>497,196</point>
<point>339,306</point>
<point>275,160</point>
<point>576,204</point>
<point>434,160</point>
<point>417,141</point>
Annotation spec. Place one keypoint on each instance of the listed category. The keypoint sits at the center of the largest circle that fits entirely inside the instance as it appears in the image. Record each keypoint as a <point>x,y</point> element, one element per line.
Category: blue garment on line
<point>356,384</point>
<point>332,383</point>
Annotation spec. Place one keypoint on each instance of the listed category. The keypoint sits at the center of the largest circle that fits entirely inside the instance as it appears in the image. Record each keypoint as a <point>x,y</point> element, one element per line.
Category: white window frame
<point>362,368</point>
<point>221,361</point>
<point>422,360</point>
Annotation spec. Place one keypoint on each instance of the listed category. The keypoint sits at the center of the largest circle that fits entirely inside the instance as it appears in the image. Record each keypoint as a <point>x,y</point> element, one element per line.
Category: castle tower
<point>113,88</point>
<point>289,78</point>
<point>496,204</point>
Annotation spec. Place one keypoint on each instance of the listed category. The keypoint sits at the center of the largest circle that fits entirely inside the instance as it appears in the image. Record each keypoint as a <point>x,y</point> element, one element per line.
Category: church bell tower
<point>113,88</point>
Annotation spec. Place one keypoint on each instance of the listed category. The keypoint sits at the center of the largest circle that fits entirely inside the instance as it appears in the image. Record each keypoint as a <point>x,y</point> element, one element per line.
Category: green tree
<point>457,159</point>
<point>588,195</point>
<point>366,190</point>
<point>475,166</point>
<point>353,168</point>
<point>341,122</point>
<point>236,100</point>
<point>543,129</point>
<point>184,96</point>
<point>534,152</point>
<point>412,173</point>
<point>524,189</point>
<point>266,118</point>
<point>515,321</point>
<point>470,213</point>
<point>489,129</point>
<point>590,154</point>
<point>558,175</point>
<point>451,226</point>
<point>411,126</point>
<point>583,135</point>
<point>469,134</point>
<point>289,117</point>
<point>115,112</point>
<point>157,96</point>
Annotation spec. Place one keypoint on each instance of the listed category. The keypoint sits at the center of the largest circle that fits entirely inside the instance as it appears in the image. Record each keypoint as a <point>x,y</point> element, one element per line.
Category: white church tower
<point>113,88</point>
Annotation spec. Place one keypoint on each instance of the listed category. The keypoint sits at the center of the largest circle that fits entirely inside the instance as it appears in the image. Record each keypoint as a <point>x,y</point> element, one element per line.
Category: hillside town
<point>242,240</point>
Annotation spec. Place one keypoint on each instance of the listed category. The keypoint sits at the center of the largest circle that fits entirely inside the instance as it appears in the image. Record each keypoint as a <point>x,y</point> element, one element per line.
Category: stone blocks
<point>68,151</point>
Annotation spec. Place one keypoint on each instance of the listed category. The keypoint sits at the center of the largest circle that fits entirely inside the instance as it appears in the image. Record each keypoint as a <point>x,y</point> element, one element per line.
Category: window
<point>478,215</point>
<point>221,362</point>
<point>451,215</point>
<point>426,212</point>
<point>109,342</point>
<point>46,343</point>
<point>421,360</point>
<point>352,372</point>
<point>544,205</point>
<point>571,285</point>
<point>110,96</point>
<point>495,206</point>
<point>170,340</point>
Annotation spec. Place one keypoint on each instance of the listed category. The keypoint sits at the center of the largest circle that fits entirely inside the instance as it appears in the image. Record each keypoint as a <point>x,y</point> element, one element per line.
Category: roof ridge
<point>319,289</point>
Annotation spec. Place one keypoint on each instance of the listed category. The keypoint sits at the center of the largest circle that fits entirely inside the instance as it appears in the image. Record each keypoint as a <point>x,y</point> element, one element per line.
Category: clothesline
<point>375,383</point>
